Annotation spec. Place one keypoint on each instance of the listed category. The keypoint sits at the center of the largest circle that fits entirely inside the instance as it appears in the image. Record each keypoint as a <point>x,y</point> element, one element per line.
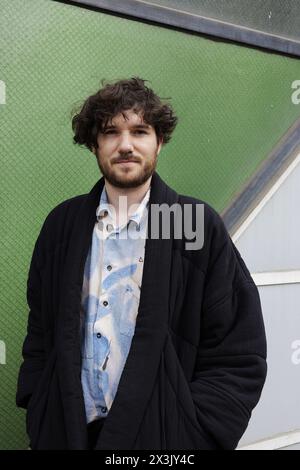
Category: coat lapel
<point>137,380</point>
<point>138,377</point>
<point>68,331</point>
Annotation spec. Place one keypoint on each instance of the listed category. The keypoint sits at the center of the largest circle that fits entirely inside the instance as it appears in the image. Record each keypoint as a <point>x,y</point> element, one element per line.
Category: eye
<point>113,131</point>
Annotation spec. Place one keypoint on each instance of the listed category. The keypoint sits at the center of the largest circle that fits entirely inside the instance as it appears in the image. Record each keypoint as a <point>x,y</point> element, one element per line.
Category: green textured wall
<point>233,103</point>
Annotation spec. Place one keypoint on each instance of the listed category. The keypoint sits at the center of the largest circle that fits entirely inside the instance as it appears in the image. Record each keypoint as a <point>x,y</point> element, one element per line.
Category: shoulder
<point>212,215</point>
<point>59,221</point>
<point>64,207</point>
<point>207,218</point>
<point>218,255</point>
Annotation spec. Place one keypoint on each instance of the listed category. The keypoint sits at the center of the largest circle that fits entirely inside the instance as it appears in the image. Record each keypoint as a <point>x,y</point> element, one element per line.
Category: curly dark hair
<point>97,110</point>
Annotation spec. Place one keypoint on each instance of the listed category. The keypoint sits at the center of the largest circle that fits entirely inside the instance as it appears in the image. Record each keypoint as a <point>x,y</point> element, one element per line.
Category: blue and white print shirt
<point>109,302</point>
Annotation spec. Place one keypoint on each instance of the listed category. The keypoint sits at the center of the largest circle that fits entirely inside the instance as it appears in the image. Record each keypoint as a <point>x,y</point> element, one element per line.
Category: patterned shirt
<point>109,302</point>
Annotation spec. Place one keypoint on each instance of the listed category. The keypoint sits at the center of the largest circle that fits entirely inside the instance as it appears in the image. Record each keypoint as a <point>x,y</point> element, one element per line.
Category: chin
<point>128,181</point>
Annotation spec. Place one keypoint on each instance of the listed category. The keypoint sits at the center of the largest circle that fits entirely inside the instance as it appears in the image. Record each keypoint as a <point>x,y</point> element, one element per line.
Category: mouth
<point>126,162</point>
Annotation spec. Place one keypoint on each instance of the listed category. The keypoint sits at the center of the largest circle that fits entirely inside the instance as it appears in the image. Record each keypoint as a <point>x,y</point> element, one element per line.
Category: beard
<point>126,179</point>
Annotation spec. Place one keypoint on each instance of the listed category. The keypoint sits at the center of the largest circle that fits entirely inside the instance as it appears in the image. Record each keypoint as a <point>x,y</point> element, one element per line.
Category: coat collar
<point>139,373</point>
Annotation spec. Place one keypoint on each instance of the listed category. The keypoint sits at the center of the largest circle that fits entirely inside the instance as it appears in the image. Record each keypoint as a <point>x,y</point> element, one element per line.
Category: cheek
<point>149,148</point>
<point>105,149</point>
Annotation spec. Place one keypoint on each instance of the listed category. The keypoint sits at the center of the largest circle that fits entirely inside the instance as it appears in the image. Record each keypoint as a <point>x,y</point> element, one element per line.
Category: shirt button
<point>109,267</point>
<point>99,335</point>
<point>105,303</point>
<point>103,409</point>
<point>140,259</point>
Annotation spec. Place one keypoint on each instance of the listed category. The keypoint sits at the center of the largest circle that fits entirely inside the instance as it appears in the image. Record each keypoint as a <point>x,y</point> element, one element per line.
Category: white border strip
<point>278,442</point>
<point>276,277</point>
<point>266,198</point>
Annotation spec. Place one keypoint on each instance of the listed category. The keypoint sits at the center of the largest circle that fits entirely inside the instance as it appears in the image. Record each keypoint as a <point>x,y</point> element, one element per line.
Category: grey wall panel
<point>279,408</point>
<point>294,447</point>
<point>272,241</point>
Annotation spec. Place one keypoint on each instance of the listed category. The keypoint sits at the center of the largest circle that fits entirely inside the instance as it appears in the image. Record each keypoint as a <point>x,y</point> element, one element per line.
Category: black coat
<point>197,362</point>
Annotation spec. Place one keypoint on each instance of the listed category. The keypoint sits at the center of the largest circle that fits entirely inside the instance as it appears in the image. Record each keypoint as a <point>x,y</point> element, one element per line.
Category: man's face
<point>127,151</point>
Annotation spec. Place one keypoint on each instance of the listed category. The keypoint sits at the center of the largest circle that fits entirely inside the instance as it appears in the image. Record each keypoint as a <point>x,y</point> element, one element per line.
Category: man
<point>138,338</point>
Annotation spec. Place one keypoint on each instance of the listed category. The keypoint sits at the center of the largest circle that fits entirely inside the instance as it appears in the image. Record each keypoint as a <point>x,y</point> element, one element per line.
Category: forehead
<point>127,119</point>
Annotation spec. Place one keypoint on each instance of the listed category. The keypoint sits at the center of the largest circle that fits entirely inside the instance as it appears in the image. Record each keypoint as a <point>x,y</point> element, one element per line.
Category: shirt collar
<point>104,208</point>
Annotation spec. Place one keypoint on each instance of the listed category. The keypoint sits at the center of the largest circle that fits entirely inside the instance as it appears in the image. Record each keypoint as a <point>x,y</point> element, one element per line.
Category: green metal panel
<point>233,103</point>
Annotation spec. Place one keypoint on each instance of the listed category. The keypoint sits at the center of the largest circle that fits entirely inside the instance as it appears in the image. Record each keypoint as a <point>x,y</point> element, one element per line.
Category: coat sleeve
<point>231,365</point>
<point>33,350</point>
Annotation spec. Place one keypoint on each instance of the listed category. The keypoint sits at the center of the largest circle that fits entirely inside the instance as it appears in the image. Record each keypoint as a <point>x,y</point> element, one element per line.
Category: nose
<point>125,144</point>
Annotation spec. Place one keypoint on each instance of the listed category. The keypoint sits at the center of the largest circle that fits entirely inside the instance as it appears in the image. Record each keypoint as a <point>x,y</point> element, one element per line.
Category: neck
<point>133,195</point>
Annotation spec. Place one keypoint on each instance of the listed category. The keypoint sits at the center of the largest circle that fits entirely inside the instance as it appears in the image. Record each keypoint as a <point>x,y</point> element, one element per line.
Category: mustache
<point>128,158</point>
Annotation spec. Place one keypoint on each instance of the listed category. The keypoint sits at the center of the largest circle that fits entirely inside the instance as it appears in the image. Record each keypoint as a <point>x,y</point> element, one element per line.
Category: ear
<point>159,145</point>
